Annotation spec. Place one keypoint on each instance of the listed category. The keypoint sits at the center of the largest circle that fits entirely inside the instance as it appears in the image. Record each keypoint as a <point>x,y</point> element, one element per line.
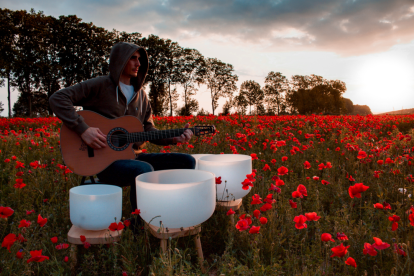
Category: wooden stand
<point>165,234</point>
<point>93,237</point>
<point>227,205</point>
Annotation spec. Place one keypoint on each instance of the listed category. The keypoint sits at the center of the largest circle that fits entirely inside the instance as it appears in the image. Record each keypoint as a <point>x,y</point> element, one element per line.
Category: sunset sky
<point>367,44</point>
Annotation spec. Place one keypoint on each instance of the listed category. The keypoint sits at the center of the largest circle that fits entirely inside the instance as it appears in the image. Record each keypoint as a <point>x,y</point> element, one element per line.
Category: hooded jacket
<point>103,95</point>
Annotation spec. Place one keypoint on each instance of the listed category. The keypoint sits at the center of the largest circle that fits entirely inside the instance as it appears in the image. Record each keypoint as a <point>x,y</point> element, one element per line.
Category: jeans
<point>122,173</point>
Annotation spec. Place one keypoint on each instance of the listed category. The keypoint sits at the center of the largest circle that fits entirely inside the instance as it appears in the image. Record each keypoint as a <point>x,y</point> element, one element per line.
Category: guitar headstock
<point>203,130</point>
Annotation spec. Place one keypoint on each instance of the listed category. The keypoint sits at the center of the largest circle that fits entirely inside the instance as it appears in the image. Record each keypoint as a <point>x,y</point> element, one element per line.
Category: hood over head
<point>120,55</point>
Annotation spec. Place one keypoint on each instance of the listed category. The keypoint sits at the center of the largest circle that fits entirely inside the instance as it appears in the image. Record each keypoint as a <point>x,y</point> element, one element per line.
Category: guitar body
<point>85,161</point>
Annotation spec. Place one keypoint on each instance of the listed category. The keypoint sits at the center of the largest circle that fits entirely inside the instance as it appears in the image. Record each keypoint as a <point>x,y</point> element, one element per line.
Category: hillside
<point>399,112</point>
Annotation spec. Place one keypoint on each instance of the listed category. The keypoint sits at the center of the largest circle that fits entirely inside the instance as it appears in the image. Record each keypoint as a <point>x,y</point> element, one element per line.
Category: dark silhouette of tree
<point>276,86</point>
<point>361,110</point>
<point>39,105</point>
<point>190,108</point>
<point>240,103</point>
<point>220,80</point>
<point>349,105</point>
<point>192,70</point>
<point>252,92</point>
<point>8,33</point>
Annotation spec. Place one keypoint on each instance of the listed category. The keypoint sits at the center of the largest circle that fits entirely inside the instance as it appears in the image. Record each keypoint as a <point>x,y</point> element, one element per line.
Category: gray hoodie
<point>102,95</point>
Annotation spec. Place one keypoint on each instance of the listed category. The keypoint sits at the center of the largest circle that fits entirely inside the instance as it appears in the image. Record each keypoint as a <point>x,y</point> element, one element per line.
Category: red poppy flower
<point>127,223</point>
<point>218,180</point>
<point>293,204</point>
<point>302,189</point>
<point>246,183</point>
<point>398,249</point>
<point>256,213</point>
<point>362,155</point>
<point>19,164</point>
<point>341,237</point>
<point>378,206</point>
<point>29,212</point>
<point>279,182</point>
<point>297,194</point>
<point>275,188</point>
<point>82,238</point>
<point>19,183</point>
<point>284,158</point>
<point>230,212</point>
<point>356,190</point>
<point>326,237</point>
<point>254,156</point>
<point>242,225</point>
<point>380,162</point>
<point>282,171</point>
<point>350,261</point>
<point>116,227</point>
<point>379,244</point>
<point>339,251</point>
<point>266,168</point>
<point>54,239</point>
<point>321,166</point>
<point>389,161</point>
<point>312,216</point>
<point>62,246</point>
<point>37,256</point>
<point>300,222</point>
<point>20,254</point>
<point>307,165</point>
<point>41,221</point>
<point>269,199</point>
<point>351,178</point>
<point>328,165</point>
<point>256,200</point>
<point>324,182</point>
<point>369,249</point>
<point>266,207</point>
<point>24,223</point>
<point>21,239</point>
<point>386,206</point>
<point>136,212</point>
<point>66,259</point>
<point>395,219</point>
<point>263,220</point>
<point>254,230</point>
<point>6,212</point>
<point>8,241</point>
<point>316,178</point>
<point>248,218</point>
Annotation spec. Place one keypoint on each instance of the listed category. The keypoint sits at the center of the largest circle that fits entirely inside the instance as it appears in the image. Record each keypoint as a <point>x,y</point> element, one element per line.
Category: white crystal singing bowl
<point>196,157</point>
<point>182,198</point>
<point>230,167</point>
<point>95,207</point>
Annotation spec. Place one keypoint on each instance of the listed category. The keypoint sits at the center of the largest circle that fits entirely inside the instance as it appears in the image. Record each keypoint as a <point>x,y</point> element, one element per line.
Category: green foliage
<point>253,94</point>
<point>361,110</point>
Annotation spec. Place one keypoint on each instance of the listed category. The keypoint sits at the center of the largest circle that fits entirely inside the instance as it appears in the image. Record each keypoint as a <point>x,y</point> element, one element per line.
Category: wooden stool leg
<point>73,258</point>
<point>232,219</point>
<point>164,246</point>
<point>197,242</point>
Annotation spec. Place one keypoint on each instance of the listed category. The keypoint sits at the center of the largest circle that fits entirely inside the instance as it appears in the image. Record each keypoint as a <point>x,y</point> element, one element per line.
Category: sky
<point>368,44</point>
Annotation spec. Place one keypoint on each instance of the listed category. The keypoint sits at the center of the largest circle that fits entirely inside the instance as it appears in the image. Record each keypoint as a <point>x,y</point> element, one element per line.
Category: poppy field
<point>330,195</point>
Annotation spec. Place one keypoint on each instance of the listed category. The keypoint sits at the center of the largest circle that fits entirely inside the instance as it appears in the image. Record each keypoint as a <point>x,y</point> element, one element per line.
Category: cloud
<point>352,27</point>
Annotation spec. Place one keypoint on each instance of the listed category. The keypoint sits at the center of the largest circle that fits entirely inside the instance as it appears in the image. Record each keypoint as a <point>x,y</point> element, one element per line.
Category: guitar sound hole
<point>118,139</point>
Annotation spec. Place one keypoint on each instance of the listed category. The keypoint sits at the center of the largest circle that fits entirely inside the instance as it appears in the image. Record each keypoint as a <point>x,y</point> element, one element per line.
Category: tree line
<point>41,54</point>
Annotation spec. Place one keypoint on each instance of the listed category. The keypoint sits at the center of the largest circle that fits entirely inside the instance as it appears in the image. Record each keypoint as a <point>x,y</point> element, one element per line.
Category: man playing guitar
<point>118,94</point>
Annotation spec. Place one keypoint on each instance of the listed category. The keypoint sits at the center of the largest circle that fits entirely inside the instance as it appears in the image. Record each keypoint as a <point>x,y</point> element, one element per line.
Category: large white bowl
<point>182,198</point>
<point>198,156</point>
<point>230,167</point>
<point>96,206</point>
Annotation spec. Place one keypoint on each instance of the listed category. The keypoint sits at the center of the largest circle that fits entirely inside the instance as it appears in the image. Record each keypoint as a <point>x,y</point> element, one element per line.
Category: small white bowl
<point>182,198</point>
<point>96,206</point>
<point>232,168</point>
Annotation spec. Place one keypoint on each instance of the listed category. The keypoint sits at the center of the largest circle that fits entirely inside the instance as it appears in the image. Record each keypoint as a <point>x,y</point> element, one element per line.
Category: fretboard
<point>155,135</point>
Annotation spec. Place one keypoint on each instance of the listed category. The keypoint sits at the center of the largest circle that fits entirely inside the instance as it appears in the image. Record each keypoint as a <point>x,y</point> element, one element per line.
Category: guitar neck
<point>155,135</point>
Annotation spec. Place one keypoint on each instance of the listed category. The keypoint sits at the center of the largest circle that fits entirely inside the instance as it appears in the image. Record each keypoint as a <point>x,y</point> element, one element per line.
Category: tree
<point>39,105</point>
<point>8,34</point>
<point>1,107</point>
<point>252,92</point>
<point>349,105</point>
<point>227,107</point>
<point>361,110</point>
<point>240,103</point>
<point>157,72</point>
<point>275,89</point>
<point>190,108</point>
<point>192,71</point>
<point>220,80</point>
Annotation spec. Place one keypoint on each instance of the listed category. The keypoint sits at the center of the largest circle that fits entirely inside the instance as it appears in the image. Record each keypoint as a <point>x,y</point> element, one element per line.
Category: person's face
<point>132,67</point>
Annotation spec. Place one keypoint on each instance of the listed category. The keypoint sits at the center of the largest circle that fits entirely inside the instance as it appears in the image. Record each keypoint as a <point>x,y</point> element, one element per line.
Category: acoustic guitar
<point>120,133</point>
